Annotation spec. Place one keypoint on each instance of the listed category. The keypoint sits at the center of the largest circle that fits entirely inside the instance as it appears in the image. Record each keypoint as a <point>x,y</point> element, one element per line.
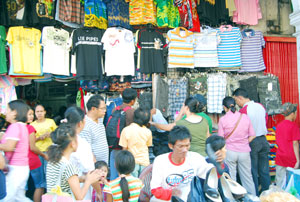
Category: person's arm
<point>2,162</point>
<point>208,133</point>
<point>251,138</point>
<point>181,114</point>
<point>98,190</point>
<point>296,151</point>
<point>9,145</point>
<point>33,148</point>
<point>251,130</point>
<point>109,198</point>
<point>165,127</point>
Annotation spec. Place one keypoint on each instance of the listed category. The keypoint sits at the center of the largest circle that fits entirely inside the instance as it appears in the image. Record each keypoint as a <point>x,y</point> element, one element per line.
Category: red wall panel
<point>280,56</point>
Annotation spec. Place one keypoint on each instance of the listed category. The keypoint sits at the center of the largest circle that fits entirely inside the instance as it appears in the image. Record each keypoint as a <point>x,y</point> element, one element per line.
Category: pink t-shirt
<point>238,141</point>
<point>17,131</point>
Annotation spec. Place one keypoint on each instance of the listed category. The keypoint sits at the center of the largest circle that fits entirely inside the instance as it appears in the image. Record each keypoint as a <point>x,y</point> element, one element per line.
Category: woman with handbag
<point>238,132</point>
<point>59,166</point>
<point>15,144</point>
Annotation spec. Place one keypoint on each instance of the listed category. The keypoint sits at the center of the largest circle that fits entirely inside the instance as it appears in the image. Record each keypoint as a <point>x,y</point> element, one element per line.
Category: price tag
<point>270,86</point>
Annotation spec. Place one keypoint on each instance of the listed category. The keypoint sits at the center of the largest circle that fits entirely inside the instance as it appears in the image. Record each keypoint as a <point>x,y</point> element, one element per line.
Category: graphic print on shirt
<point>15,9</point>
<point>176,179</point>
<point>45,8</point>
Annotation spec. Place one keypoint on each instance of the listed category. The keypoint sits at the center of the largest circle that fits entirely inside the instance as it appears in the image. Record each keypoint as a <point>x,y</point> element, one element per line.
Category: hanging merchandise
<point>151,43</point>
<point>25,49</point>
<point>3,64</point>
<point>141,80</point>
<point>232,84</point>
<point>118,13</point>
<point>229,51</point>
<point>55,45</point>
<point>188,14</point>
<point>247,12</point>
<point>118,83</point>
<point>251,51</point>
<point>177,95</point>
<point>44,12</point>
<point>14,13</point>
<point>269,94</point>
<point>212,12</point>
<point>198,84</point>
<point>216,89</point>
<point>119,49</point>
<point>7,92</point>
<point>250,85</point>
<point>86,44</point>
<point>167,14</point>
<point>57,18</point>
<point>230,5</point>
<point>95,14</point>
<point>71,11</point>
<point>161,95</point>
<point>206,48</point>
<point>181,48</point>
<point>142,12</point>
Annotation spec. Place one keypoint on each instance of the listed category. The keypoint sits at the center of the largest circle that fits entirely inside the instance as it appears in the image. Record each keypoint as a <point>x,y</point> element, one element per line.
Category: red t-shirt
<point>34,160</point>
<point>286,132</point>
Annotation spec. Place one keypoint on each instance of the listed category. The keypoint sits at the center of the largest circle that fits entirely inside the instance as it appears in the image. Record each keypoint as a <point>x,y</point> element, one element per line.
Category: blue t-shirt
<point>2,185</point>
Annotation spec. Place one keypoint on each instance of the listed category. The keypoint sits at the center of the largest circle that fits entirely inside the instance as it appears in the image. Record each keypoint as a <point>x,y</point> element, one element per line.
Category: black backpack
<point>115,124</point>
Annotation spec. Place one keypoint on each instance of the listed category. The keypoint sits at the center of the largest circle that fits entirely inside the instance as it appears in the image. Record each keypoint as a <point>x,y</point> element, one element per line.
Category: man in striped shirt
<point>94,130</point>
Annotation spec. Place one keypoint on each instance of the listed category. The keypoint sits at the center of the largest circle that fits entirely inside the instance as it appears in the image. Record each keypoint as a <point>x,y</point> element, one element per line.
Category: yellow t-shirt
<point>26,49</point>
<point>41,128</point>
<point>137,139</point>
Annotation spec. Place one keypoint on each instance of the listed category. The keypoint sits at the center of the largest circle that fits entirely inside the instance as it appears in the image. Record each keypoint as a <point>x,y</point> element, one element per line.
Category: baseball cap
<point>288,108</point>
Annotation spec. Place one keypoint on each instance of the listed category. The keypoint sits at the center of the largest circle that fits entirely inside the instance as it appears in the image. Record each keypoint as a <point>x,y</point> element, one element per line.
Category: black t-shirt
<point>151,43</point>
<point>15,13</point>
<point>89,49</point>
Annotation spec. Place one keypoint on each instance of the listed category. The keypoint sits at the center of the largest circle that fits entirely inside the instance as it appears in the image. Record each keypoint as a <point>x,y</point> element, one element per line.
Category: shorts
<point>38,177</point>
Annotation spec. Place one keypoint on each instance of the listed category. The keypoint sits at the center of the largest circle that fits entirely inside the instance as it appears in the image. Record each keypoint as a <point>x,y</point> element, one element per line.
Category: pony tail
<point>55,153</point>
<point>232,108</point>
<point>125,189</point>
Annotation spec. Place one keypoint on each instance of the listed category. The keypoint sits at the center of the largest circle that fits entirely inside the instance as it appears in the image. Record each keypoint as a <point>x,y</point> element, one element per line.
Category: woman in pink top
<point>15,144</point>
<point>237,143</point>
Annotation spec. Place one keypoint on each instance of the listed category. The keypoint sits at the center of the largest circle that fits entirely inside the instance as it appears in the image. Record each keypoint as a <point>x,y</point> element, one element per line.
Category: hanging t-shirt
<point>229,51</point>
<point>142,12</point>
<point>119,49</point>
<point>206,48</point>
<point>181,48</point>
<point>216,89</point>
<point>188,15</point>
<point>95,14</point>
<point>55,43</point>
<point>43,12</point>
<point>3,64</point>
<point>247,12</point>
<point>167,14</point>
<point>118,13</point>
<point>86,43</point>
<point>251,51</point>
<point>25,49</point>
<point>15,12</point>
<point>71,11</point>
<point>151,43</point>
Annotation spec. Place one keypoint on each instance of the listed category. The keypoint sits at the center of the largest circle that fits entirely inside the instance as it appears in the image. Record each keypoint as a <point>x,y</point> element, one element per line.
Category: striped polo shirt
<point>181,48</point>
<point>229,51</point>
<point>134,186</point>
<point>251,51</point>
<point>94,134</point>
<point>206,48</point>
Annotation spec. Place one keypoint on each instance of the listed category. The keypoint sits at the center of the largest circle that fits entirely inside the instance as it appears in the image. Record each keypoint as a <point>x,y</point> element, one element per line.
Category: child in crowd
<point>287,139</point>
<point>102,167</point>
<point>129,186</point>
<point>136,138</point>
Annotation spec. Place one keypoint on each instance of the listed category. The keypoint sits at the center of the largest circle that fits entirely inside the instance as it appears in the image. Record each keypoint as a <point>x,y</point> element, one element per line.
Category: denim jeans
<point>260,149</point>
<point>112,168</point>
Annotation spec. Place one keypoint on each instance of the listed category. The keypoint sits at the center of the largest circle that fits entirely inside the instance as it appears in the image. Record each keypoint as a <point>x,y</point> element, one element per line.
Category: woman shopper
<point>238,132</point>
<point>15,144</point>
<point>197,125</point>
<point>2,177</point>
<point>35,165</point>
<point>64,144</point>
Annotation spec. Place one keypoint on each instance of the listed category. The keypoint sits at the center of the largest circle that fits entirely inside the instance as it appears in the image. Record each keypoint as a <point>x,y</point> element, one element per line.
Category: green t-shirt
<point>167,14</point>
<point>3,66</point>
<point>199,134</point>
<point>208,119</point>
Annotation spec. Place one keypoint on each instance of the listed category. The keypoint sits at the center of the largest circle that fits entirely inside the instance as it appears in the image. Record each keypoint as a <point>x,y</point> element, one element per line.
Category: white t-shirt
<point>118,44</point>
<point>165,173</point>
<point>56,51</point>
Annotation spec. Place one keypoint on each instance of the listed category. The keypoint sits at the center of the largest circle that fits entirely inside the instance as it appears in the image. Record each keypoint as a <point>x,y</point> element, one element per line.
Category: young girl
<point>102,167</point>
<point>129,186</point>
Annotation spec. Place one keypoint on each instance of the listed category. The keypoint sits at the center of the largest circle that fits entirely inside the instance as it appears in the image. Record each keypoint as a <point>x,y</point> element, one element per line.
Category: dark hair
<point>125,164</point>
<point>2,122</point>
<point>94,101</point>
<point>61,138</point>
<point>21,108</point>
<point>241,92</point>
<point>229,103</point>
<point>193,104</point>
<point>74,115</point>
<point>39,105</point>
<point>128,95</point>
<point>100,164</point>
<point>216,142</point>
<point>179,133</point>
<point>141,116</point>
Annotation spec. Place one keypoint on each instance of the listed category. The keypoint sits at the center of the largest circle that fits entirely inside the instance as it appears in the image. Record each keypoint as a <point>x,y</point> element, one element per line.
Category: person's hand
<point>93,177</point>
<point>176,192</point>
<point>297,165</point>
<point>45,156</point>
<point>99,197</point>
<point>220,156</point>
<point>153,111</point>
